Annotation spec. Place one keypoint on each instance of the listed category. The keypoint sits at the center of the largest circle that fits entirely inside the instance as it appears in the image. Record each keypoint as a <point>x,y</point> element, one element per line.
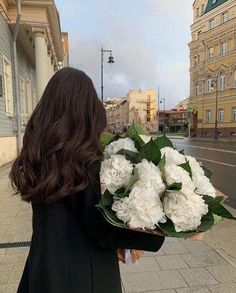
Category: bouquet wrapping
<point>149,186</point>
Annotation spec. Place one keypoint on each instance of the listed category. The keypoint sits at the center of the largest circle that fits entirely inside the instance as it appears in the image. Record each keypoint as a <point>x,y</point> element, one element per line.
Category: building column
<point>41,60</point>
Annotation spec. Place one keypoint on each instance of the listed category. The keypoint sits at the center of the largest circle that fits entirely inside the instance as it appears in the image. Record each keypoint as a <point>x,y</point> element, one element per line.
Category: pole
<point>18,110</point>
<point>102,74</point>
<point>164,124</point>
<point>216,118</point>
<point>158,112</point>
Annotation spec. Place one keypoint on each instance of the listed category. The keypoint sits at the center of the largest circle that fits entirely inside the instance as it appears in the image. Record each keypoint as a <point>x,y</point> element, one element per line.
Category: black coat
<point>73,249</point>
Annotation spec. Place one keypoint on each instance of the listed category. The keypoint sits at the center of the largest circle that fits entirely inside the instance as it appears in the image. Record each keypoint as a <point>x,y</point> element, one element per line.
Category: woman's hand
<point>197,236</point>
<point>121,255</point>
<point>135,255</point>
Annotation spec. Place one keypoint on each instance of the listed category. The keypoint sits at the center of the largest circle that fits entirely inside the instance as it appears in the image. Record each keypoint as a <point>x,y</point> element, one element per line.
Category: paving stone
<point>174,248</point>
<point>18,250</point>
<point>204,259</point>
<point>171,262</point>
<point>160,291</point>
<point>197,277</point>
<point>223,288</point>
<point>5,272</point>
<point>202,289</point>
<point>151,281</point>
<point>223,274</point>
<point>171,239</point>
<point>13,259</point>
<point>16,274</point>
<point>145,264</point>
<point>149,253</point>
<point>9,288</point>
<point>196,246</point>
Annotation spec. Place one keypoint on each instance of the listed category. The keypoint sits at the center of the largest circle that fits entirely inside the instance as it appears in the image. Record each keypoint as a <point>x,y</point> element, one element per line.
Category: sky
<point>149,40</point>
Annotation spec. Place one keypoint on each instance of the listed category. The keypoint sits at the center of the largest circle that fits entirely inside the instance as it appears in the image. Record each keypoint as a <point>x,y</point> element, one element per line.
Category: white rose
<point>185,211</point>
<point>172,156</point>
<point>115,173</point>
<point>176,174</point>
<point>148,172</point>
<point>195,166</point>
<point>145,138</point>
<point>203,186</point>
<point>142,209</point>
<point>115,146</point>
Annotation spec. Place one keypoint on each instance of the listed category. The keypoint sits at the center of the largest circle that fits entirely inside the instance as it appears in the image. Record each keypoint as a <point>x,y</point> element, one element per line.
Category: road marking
<point>205,148</point>
<point>215,162</point>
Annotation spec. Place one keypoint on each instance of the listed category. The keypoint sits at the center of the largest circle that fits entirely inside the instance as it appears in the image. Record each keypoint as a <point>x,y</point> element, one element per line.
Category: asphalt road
<point>220,158</point>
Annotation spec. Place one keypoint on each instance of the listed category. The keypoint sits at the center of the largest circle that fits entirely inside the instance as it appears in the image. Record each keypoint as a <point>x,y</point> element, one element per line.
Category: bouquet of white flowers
<point>147,184</point>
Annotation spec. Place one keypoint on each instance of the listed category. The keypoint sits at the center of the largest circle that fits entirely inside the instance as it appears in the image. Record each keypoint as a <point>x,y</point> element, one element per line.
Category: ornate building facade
<point>213,68</point>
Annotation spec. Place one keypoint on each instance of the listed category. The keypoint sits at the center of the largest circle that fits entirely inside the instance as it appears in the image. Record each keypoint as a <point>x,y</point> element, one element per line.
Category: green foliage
<point>150,152</point>
<point>129,155</point>
<point>163,141</point>
<point>186,167</point>
<point>207,222</point>
<point>175,186</point>
<point>162,164</point>
<point>135,130</point>
<point>110,216</point>
<point>105,139</point>
<point>207,172</point>
<point>138,142</point>
<point>217,208</point>
<point>169,229</point>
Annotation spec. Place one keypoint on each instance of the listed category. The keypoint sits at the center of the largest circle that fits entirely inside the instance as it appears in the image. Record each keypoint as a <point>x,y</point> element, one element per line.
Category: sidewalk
<point>181,266</point>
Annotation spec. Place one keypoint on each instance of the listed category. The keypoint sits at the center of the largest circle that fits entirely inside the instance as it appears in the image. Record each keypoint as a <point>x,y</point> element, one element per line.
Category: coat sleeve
<point>103,234</point>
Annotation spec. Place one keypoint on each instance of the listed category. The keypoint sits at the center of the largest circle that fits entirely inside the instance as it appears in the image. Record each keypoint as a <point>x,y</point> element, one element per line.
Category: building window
<point>197,89</point>
<point>221,115</point>
<point>208,85</point>
<point>221,83</point>
<point>211,24</point>
<point>225,17</point>
<point>211,53</point>
<point>223,48</point>
<point>8,91</point>
<point>208,116</point>
<point>234,113</point>
<point>202,9</point>
<point>197,12</point>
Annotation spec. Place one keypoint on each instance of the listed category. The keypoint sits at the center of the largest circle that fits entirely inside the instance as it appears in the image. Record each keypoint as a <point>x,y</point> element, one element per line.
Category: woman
<point>72,249</point>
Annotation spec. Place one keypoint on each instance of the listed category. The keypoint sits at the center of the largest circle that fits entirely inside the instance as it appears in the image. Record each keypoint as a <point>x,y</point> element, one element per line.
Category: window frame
<point>223,48</point>
<point>233,113</point>
<point>208,116</point>
<point>221,83</point>
<point>223,16</point>
<point>211,23</point>
<point>220,115</point>
<point>208,85</point>
<point>8,87</point>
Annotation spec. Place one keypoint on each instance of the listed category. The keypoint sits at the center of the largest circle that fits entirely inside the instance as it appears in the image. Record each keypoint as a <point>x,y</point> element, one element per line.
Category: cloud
<point>148,39</point>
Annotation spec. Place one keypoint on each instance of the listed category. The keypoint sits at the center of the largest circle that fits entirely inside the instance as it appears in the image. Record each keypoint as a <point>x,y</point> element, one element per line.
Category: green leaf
<point>182,152</point>
<point>169,229</point>
<point>119,192</point>
<point>107,199</point>
<point>207,222</point>
<point>163,141</point>
<point>136,129</point>
<point>105,139</point>
<point>217,208</point>
<point>162,164</point>
<point>207,172</point>
<point>217,219</point>
<point>110,216</point>
<point>115,137</point>
<point>175,186</point>
<point>131,156</point>
<point>186,167</point>
<point>150,152</point>
<point>138,142</point>
<point>134,178</point>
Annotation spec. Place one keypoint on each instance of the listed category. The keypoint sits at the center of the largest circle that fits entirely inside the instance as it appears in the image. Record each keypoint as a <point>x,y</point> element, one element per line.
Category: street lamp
<point>162,100</point>
<point>110,61</point>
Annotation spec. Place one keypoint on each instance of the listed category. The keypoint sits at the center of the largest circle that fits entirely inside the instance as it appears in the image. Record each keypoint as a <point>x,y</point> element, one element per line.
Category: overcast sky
<point>148,38</point>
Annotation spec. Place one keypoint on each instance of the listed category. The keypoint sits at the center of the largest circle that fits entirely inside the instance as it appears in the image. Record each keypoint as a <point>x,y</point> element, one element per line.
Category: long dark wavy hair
<point>61,140</point>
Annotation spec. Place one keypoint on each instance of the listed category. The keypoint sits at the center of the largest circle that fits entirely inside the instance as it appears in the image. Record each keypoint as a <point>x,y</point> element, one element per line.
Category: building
<point>38,54</point>
<point>112,107</point>
<point>174,120</point>
<point>183,104</point>
<point>213,68</point>
<point>143,108</point>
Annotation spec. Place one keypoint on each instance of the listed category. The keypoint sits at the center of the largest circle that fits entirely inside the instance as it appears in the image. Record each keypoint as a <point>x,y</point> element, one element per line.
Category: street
<point>220,158</point>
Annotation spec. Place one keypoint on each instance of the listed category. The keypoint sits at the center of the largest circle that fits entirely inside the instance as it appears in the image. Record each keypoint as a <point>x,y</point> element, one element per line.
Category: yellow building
<point>213,68</point>
<point>143,108</point>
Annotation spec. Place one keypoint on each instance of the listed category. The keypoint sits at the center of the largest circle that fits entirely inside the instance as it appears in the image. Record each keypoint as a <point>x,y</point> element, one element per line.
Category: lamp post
<point>110,61</point>
<point>163,100</point>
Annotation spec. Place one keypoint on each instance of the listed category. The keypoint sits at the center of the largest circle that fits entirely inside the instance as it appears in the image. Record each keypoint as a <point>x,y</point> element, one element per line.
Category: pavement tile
<point>202,289</point>
<point>151,281</point>
<point>160,291</point>
<point>196,246</point>
<point>224,273</point>
<point>174,248</point>
<point>149,253</point>
<point>197,276</point>
<point>13,259</point>
<point>171,239</point>
<point>204,259</point>
<point>16,274</point>
<point>223,288</point>
<point>145,264</point>
<point>18,250</point>
<point>9,288</point>
<point>171,262</point>
<point>5,272</point>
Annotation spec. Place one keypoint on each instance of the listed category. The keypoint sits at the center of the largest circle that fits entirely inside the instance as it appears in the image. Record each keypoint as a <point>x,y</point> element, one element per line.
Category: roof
<point>211,5</point>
